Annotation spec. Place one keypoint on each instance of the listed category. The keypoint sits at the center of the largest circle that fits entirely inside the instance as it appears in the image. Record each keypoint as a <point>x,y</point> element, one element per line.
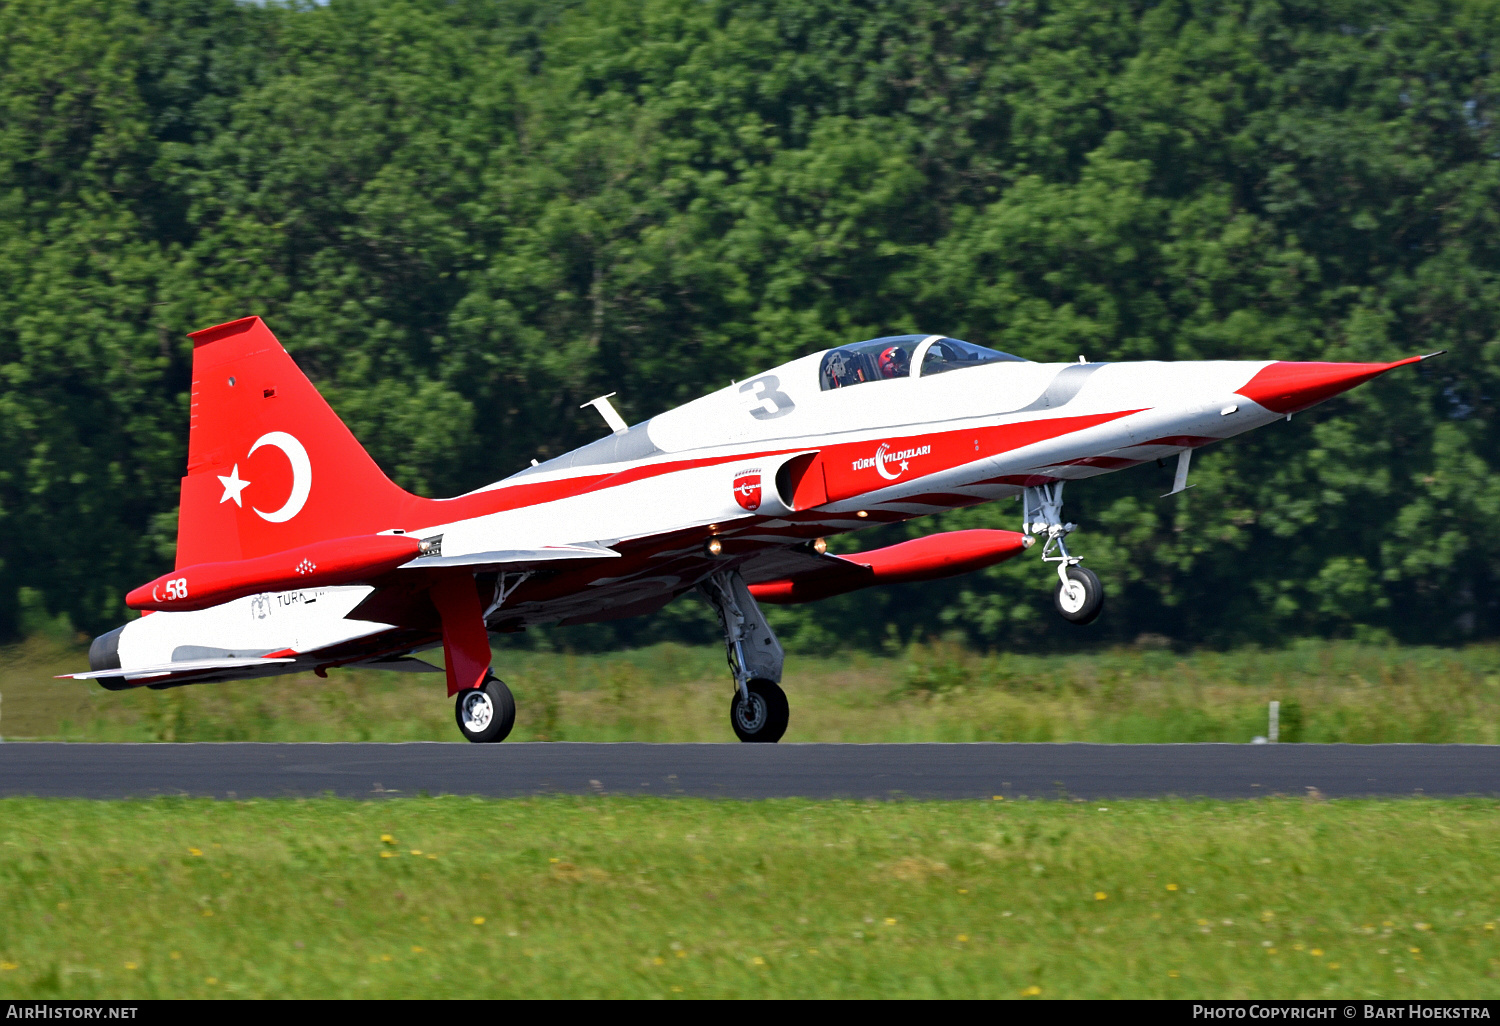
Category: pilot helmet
<point>894,363</point>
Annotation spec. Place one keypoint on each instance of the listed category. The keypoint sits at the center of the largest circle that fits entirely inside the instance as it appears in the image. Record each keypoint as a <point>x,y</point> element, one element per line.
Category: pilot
<point>894,363</point>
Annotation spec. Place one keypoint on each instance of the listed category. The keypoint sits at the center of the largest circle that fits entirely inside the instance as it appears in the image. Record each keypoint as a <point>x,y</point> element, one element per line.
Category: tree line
<point>464,218</point>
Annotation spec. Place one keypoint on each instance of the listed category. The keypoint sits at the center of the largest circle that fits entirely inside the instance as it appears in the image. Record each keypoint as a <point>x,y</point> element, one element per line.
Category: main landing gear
<point>1080,597</point>
<point>487,713</point>
<point>482,704</point>
<point>759,711</point>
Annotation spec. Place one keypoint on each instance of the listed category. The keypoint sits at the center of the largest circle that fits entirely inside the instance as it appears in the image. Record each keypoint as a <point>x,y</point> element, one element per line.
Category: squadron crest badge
<point>747,488</point>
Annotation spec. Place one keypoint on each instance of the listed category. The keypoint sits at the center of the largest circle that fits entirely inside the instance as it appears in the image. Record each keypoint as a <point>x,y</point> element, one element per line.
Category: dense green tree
<point>465,218</point>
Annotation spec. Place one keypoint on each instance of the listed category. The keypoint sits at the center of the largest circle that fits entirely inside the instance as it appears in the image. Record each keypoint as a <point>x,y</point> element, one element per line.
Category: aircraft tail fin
<point>270,465</point>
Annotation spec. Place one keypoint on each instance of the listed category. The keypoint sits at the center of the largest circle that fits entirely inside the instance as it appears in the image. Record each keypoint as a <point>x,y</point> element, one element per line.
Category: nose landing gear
<point>1080,597</point>
<point>759,710</point>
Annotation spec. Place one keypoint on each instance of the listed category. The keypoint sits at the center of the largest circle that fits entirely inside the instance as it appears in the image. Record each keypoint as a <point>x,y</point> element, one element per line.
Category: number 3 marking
<point>768,390</point>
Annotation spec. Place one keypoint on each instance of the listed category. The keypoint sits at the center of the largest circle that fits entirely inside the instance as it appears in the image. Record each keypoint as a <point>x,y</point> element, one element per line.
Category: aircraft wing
<point>405,664</point>
<point>180,667</point>
<point>515,559</point>
<point>801,564</point>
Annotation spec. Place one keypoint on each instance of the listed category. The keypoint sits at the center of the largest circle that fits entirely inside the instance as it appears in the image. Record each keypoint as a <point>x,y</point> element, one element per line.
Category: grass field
<point>1329,691</point>
<point>679,897</point>
<point>613,896</point>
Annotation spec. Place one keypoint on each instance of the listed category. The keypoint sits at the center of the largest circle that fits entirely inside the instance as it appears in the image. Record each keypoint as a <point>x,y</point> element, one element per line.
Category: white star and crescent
<point>232,487</point>
<point>884,460</point>
<point>301,474</point>
<point>301,477</point>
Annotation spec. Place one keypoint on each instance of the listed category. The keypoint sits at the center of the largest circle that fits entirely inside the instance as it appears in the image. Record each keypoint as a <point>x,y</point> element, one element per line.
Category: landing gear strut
<point>1080,597</point>
<point>759,710</point>
<point>487,713</point>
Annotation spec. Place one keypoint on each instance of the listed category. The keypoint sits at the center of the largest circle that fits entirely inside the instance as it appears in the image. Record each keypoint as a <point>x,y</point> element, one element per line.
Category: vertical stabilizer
<point>270,465</point>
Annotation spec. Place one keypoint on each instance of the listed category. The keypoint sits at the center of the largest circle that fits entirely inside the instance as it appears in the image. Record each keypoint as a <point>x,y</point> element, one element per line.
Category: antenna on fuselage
<point>611,416</point>
<point>1179,482</point>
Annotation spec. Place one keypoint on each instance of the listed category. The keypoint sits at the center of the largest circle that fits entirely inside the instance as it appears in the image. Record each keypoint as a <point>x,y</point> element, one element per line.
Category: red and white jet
<point>296,552</point>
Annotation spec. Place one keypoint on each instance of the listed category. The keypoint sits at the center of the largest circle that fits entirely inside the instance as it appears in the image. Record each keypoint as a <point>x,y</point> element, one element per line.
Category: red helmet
<point>893,362</point>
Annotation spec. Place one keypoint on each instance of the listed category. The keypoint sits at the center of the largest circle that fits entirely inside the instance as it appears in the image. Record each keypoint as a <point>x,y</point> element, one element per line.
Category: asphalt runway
<point>973,771</point>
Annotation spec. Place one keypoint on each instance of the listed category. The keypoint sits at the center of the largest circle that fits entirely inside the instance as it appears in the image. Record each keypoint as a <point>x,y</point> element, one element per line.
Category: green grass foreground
<point>1329,691</point>
<point>635,897</point>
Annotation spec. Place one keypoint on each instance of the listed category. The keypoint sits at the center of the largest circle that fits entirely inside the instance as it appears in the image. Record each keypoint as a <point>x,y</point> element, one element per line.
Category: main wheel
<point>764,717</point>
<point>487,713</point>
<point>1081,599</point>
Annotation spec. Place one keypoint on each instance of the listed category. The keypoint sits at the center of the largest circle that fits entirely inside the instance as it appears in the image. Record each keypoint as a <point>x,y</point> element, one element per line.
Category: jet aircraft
<point>296,552</point>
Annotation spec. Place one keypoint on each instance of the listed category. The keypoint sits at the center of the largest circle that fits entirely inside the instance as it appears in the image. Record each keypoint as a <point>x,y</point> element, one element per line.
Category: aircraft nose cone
<point>1286,387</point>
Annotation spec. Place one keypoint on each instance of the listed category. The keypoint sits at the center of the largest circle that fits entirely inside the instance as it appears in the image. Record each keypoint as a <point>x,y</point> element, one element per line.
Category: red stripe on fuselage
<point>855,468</point>
<point>850,467</point>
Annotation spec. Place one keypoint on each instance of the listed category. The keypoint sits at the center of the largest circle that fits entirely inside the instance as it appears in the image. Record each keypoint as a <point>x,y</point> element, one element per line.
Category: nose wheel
<point>1079,596</point>
<point>487,713</point>
<point>760,712</point>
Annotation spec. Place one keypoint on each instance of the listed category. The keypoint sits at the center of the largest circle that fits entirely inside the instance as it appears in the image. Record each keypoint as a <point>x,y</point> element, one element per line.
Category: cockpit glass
<point>878,358</point>
<point>891,357</point>
<point>948,354</point>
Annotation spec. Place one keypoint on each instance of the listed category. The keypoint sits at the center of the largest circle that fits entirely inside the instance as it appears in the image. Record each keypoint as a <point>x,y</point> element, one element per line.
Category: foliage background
<point>466,217</point>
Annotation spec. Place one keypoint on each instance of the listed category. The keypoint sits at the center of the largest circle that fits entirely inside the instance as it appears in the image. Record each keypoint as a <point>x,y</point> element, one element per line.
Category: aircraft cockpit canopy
<point>893,356</point>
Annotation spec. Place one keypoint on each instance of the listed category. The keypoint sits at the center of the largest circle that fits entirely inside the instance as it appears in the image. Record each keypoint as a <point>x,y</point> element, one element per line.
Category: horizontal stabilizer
<point>181,666</point>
